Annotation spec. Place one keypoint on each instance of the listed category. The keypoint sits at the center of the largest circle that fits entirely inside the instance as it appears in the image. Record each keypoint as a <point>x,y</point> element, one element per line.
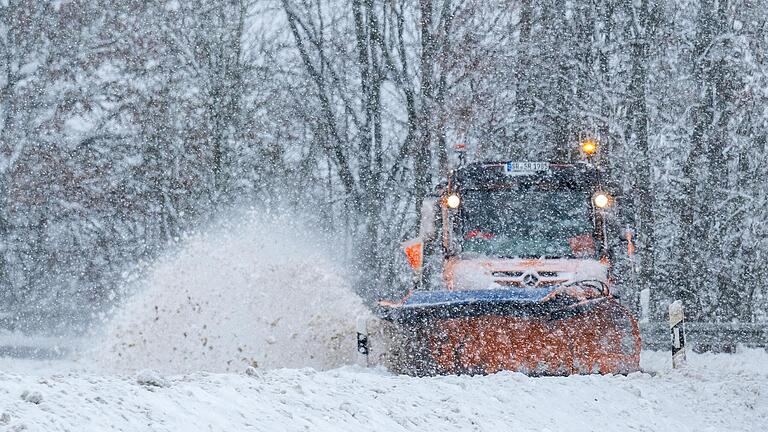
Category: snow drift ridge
<point>256,295</point>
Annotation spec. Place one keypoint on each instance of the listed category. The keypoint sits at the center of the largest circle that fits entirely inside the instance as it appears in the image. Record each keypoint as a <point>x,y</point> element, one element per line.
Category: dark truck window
<point>527,223</point>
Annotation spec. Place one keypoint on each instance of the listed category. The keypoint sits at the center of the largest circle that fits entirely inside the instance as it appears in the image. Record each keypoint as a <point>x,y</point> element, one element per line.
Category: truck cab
<point>515,224</point>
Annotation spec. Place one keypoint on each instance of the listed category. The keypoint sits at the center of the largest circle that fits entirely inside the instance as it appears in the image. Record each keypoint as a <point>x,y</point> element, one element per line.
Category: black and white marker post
<point>362,341</point>
<point>677,329</point>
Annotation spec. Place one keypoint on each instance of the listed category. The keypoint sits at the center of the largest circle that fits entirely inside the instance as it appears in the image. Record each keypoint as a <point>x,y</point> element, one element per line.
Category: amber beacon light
<point>589,146</point>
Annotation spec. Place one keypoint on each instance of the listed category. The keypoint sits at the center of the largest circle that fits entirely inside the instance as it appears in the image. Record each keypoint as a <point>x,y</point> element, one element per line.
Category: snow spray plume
<point>250,293</point>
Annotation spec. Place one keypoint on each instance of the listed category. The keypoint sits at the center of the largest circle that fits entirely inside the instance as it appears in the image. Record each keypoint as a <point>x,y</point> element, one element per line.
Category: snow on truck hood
<point>485,273</point>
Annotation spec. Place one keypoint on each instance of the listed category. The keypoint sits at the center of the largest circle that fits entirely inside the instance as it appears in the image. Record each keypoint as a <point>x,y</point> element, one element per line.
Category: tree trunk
<point>638,127</point>
<point>692,264</point>
<point>423,153</point>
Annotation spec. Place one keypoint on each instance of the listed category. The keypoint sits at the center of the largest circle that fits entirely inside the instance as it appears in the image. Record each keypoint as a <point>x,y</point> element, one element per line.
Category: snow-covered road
<point>288,310</point>
<point>714,393</point>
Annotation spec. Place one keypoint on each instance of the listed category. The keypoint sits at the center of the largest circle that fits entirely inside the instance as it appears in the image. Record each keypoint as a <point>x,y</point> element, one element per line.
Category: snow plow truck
<point>512,271</point>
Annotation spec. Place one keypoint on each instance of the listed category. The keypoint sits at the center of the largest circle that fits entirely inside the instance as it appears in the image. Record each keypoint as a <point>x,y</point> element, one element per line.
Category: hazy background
<point>128,126</point>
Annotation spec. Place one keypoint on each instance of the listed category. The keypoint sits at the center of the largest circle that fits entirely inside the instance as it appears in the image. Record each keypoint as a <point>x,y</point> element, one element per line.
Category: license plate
<point>519,168</point>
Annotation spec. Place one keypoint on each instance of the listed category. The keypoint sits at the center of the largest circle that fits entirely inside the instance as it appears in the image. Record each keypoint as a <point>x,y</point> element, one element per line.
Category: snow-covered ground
<point>254,331</point>
<point>713,393</point>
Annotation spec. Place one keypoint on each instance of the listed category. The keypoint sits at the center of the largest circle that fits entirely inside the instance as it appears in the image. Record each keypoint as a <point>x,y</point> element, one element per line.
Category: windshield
<point>527,224</point>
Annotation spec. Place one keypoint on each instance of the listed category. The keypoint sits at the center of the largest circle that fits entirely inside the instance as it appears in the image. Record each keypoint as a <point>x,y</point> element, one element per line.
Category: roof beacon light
<point>453,200</point>
<point>589,146</point>
<point>601,200</point>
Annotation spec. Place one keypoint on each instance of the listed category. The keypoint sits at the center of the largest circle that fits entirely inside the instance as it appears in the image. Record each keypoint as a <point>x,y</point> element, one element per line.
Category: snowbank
<point>714,393</point>
<point>254,294</point>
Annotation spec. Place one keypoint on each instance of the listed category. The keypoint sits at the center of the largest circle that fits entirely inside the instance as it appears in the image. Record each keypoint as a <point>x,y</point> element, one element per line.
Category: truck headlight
<point>601,200</point>
<point>453,200</point>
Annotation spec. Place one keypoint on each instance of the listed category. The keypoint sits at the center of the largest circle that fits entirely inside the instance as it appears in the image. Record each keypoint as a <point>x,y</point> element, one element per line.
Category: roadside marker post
<point>677,330</point>
<point>362,341</point>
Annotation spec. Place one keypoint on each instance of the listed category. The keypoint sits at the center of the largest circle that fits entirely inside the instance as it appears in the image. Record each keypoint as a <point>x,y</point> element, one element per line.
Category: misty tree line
<point>124,125</point>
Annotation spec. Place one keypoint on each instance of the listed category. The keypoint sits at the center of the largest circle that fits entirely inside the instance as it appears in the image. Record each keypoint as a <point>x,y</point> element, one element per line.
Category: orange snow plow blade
<point>548,337</point>
<point>602,340</point>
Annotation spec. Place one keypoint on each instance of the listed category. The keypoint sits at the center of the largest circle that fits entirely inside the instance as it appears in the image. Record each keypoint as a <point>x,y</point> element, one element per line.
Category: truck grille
<point>507,273</point>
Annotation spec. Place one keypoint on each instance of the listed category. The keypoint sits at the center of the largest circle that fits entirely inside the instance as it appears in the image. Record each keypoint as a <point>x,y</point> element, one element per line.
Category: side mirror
<point>628,235</point>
